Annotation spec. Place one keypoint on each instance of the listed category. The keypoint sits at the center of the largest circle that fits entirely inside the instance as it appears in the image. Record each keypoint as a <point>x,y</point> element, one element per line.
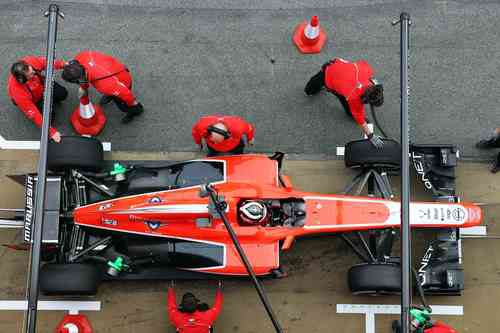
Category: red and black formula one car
<point>150,222</point>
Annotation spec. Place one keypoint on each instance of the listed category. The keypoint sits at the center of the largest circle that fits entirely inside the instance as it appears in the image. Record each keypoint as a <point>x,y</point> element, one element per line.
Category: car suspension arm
<point>101,187</point>
<point>104,241</point>
<point>220,206</point>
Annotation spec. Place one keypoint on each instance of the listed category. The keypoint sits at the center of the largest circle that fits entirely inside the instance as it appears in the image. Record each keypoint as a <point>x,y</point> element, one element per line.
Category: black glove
<point>376,140</point>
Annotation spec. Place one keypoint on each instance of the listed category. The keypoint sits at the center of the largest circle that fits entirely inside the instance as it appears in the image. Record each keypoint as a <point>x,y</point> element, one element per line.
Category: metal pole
<point>241,252</point>
<point>406,291</point>
<point>32,288</point>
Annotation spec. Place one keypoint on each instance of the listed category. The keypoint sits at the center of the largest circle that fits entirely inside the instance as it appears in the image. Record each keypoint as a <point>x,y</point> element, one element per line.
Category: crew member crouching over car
<point>354,85</point>
<point>192,316</point>
<point>490,143</point>
<point>109,77</point>
<point>224,135</point>
<point>26,86</point>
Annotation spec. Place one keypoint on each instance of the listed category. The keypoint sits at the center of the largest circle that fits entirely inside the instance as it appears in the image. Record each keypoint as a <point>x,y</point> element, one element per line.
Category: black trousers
<point>123,107</point>
<point>59,93</point>
<point>238,150</point>
<point>120,104</point>
<point>317,83</point>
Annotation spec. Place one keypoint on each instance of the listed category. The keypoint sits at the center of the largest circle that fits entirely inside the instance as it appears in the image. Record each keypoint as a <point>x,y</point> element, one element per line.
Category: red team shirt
<point>439,327</point>
<point>107,75</point>
<point>236,126</point>
<point>350,79</point>
<point>196,322</point>
<point>27,95</point>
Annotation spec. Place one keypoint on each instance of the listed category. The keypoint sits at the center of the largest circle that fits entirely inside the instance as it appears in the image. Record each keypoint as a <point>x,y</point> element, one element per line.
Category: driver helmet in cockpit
<point>253,212</point>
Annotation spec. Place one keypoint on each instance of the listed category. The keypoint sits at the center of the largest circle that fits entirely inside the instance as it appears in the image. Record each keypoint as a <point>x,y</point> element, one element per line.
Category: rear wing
<point>50,234</point>
<point>25,217</point>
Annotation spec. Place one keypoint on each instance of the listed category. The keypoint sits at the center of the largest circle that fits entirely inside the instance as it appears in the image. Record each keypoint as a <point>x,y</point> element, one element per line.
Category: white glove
<point>82,92</point>
<point>376,140</point>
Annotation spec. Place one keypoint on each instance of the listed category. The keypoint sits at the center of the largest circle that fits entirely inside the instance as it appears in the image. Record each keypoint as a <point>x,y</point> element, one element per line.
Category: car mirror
<point>286,182</point>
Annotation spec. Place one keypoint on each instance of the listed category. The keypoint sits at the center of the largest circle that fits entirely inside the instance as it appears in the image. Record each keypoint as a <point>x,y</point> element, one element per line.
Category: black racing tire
<point>361,153</point>
<point>69,279</point>
<point>77,152</point>
<point>378,278</point>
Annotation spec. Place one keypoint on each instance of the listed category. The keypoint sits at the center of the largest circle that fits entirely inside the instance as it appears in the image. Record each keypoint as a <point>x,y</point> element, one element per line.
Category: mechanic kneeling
<point>223,134</point>
<point>354,85</point>
<point>192,316</point>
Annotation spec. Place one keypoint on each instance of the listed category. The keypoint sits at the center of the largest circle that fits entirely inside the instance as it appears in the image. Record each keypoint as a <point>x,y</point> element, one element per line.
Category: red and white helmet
<point>253,212</point>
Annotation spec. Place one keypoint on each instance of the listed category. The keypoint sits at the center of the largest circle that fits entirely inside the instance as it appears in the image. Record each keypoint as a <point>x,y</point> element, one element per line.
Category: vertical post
<point>405,180</point>
<point>36,242</point>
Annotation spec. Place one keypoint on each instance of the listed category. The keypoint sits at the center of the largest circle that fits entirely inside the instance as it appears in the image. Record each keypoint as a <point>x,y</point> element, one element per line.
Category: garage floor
<point>305,301</point>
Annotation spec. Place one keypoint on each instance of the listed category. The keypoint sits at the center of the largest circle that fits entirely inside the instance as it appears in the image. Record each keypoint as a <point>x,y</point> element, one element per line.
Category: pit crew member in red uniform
<point>192,316</point>
<point>354,85</point>
<point>108,76</point>
<point>439,327</point>
<point>26,86</point>
<point>74,323</point>
<point>223,134</point>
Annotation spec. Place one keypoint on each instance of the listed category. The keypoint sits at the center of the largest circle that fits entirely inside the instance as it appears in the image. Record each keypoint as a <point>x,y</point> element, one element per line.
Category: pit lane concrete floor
<point>304,302</point>
<point>191,57</point>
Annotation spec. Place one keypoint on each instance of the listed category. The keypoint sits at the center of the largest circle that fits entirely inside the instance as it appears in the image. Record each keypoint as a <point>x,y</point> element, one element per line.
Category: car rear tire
<point>69,279</point>
<point>378,278</point>
<point>361,153</point>
<point>77,152</point>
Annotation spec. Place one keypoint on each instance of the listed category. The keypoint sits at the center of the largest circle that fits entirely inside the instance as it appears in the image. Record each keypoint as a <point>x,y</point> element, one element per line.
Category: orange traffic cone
<point>309,37</point>
<point>74,324</point>
<point>88,119</point>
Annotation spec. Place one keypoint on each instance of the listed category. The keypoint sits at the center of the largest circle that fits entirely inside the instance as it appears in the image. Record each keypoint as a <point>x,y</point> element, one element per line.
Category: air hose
<point>375,120</point>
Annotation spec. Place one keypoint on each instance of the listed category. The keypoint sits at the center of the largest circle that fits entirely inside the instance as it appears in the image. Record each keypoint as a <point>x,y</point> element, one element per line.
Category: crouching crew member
<point>223,134</point>
<point>354,85</point>
<point>109,77</point>
<point>192,316</point>
<point>490,143</point>
<point>26,86</point>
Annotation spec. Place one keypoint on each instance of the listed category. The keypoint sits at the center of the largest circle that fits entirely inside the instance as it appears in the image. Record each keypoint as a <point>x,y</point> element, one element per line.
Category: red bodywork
<point>249,176</point>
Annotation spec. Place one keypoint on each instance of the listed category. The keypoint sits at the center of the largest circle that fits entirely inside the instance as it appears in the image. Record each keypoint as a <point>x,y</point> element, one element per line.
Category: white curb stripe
<point>33,145</point>
<point>474,231</point>
<point>72,306</point>
<point>370,310</point>
<point>11,224</point>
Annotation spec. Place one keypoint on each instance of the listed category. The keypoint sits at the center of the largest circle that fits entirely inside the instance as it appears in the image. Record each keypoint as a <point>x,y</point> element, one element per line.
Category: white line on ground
<point>11,224</point>
<point>370,310</point>
<point>73,307</point>
<point>474,231</point>
<point>33,145</point>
